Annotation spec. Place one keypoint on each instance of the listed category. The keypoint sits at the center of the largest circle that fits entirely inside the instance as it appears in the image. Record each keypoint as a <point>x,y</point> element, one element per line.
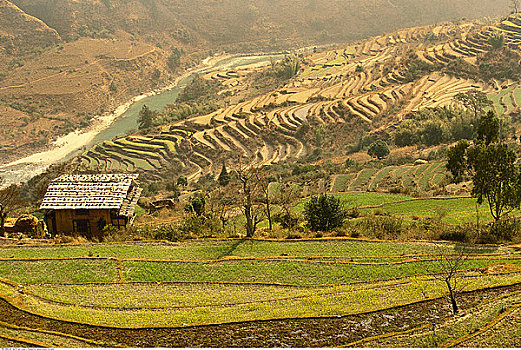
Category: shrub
<point>459,233</point>
<point>378,149</point>
<point>505,230</point>
<point>285,220</point>
<point>381,227</point>
<point>324,213</point>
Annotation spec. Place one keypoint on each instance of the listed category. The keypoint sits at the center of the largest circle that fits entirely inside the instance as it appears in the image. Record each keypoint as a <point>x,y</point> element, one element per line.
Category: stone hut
<point>85,204</point>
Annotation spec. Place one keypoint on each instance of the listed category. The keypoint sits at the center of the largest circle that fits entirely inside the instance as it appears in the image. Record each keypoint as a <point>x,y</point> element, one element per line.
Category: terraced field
<point>423,177</point>
<point>452,210</point>
<point>214,282</point>
<point>364,83</point>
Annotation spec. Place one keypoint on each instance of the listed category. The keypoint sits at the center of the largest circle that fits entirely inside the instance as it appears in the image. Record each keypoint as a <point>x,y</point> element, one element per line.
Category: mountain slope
<point>369,86</point>
<point>244,24</point>
<point>20,31</point>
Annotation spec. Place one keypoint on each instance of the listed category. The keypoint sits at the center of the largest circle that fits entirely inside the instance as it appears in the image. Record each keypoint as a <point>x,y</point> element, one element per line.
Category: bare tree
<point>221,204</point>
<point>265,189</point>
<point>448,268</point>
<point>515,6</point>
<point>285,197</point>
<point>250,179</point>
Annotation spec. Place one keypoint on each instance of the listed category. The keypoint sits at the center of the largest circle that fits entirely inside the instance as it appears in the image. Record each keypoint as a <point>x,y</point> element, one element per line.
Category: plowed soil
<point>306,332</point>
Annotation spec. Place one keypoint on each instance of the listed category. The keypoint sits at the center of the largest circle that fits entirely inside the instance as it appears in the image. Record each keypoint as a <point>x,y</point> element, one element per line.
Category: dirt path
<point>306,332</point>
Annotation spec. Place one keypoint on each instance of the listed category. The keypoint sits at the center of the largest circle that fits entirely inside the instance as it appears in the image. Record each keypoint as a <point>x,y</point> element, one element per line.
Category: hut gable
<point>87,203</point>
<point>100,191</point>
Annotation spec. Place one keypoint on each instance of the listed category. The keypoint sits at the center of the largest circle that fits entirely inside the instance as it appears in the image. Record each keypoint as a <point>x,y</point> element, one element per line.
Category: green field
<point>423,177</point>
<point>209,281</point>
<point>451,210</point>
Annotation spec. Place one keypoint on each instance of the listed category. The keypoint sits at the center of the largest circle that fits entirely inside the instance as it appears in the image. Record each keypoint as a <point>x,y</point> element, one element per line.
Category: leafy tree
<point>474,100</point>
<point>324,213</point>
<point>146,117</point>
<point>404,137</point>
<point>182,181</point>
<point>457,161</point>
<point>224,177</point>
<point>432,134</point>
<point>496,179</point>
<point>197,204</point>
<point>378,149</point>
<point>488,128</point>
<point>174,60</point>
<point>492,166</point>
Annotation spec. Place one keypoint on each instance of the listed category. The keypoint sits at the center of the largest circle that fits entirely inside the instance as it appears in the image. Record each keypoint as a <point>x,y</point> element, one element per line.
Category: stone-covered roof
<point>93,191</point>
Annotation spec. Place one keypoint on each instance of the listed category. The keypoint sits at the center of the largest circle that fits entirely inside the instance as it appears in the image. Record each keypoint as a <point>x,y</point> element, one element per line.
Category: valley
<point>277,173</point>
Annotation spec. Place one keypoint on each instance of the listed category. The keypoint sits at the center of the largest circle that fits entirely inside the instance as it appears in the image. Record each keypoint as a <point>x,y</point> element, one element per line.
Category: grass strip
<point>44,331</point>
<point>30,342</point>
<point>9,300</point>
<point>491,324</point>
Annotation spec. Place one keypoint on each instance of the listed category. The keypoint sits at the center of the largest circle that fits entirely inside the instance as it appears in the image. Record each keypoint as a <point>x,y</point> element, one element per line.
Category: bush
<point>378,149</point>
<point>324,213</point>
<point>381,227</point>
<point>165,232</point>
<point>285,220</point>
<point>459,233</point>
<point>506,230</point>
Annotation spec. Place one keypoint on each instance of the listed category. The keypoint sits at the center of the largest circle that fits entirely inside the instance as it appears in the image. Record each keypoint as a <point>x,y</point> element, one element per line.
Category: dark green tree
<point>197,204</point>
<point>182,181</point>
<point>496,178</point>
<point>405,137</point>
<point>496,40</point>
<point>146,118</point>
<point>113,88</point>
<point>378,149</point>
<point>324,213</point>
<point>457,160</point>
<point>432,134</point>
<point>488,128</point>
<point>224,177</point>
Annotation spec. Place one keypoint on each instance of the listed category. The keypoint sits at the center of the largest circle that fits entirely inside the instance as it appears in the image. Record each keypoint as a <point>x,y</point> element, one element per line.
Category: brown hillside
<point>20,31</point>
<point>236,23</point>
<point>126,44</point>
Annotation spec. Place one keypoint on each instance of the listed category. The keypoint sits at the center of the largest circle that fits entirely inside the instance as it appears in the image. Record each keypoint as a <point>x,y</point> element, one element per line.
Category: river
<point>120,123</point>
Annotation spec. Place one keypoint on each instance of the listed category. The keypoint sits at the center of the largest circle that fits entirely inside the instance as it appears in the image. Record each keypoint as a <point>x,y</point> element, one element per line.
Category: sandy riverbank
<point>77,139</point>
<point>27,167</point>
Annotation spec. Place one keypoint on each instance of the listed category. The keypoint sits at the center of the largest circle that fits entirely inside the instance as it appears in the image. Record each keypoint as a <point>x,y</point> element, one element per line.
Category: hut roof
<point>98,191</point>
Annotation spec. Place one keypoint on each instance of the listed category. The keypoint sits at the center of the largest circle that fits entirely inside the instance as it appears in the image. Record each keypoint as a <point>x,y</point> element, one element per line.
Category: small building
<point>85,204</point>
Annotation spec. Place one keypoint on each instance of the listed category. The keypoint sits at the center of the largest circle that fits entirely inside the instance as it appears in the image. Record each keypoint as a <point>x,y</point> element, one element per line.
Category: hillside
<point>62,62</point>
<point>370,87</point>
<point>260,23</point>
<point>20,31</point>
